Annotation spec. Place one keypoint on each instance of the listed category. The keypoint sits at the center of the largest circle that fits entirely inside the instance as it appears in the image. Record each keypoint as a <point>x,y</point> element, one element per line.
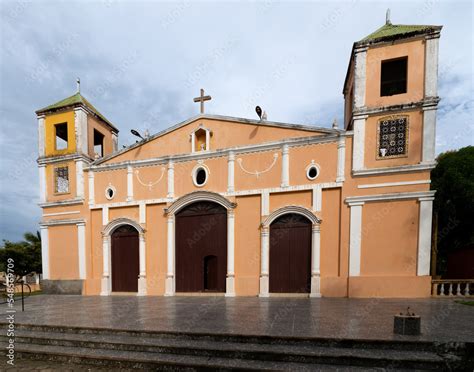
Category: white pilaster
<point>169,285</point>
<point>341,159</point>
<point>105,215</point>
<point>230,280</point>
<point>355,238</point>
<point>45,251</point>
<point>360,61</point>
<point>91,187</point>
<point>208,140</point>
<point>79,178</point>
<point>265,262</point>
<point>265,207</point>
<point>429,134</point>
<point>193,142</point>
<point>231,172</point>
<point>114,142</point>
<point>317,199</point>
<point>80,125</point>
<point>41,136</point>
<point>129,183</point>
<point>142,276</point>
<point>424,236</point>
<point>81,245</point>
<point>142,212</point>
<point>315,261</point>
<point>170,179</point>
<point>359,142</point>
<point>42,182</point>
<point>106,289</point>
<point>285,167</point>
<point>431,65</point>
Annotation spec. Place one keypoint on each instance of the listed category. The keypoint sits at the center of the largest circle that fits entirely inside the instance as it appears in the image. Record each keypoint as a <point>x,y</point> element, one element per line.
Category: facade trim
<point>399,169</point>
<point>352,200</point>
<point>389,184</point>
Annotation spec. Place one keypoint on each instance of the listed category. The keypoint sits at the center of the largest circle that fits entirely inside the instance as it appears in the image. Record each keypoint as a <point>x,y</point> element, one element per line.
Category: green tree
<point>26,254</point>
<point>453,180</point>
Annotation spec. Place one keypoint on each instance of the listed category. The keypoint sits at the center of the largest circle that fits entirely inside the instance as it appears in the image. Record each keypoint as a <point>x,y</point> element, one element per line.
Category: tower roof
<point>392,32</point>
<point>73,101</point>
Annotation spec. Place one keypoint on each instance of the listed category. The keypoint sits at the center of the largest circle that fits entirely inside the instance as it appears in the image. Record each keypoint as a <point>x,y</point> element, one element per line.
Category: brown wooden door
<point>290,254</point>
<point>201,248</point>
<point>125,259</point>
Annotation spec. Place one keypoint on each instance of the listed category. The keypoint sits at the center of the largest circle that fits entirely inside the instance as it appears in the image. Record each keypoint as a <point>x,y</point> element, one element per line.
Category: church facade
<point>229,206</point>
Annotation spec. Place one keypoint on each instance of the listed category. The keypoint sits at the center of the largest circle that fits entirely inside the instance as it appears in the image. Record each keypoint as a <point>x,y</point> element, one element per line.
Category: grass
<point>462,302</point>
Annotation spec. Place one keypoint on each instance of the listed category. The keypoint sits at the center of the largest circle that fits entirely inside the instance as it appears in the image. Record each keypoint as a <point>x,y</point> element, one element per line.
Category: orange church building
<point>229,206</point>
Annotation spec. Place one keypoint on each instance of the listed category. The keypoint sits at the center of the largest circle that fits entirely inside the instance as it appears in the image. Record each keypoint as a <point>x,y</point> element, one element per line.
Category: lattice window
<point>392,137</point>
<point>61,180</point>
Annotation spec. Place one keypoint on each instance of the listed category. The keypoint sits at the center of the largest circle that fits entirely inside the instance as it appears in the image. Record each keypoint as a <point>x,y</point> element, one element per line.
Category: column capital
<point>231,156</point>
<point>355,203</point>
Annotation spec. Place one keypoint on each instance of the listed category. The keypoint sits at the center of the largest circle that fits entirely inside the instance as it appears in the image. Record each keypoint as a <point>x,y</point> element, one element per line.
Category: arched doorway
<point>290,254</point>
<point>125,259</point>
<point>201,247</point>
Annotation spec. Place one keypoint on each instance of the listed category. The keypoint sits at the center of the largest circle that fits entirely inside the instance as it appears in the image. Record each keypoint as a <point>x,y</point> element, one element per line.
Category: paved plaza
<point>442,319</point>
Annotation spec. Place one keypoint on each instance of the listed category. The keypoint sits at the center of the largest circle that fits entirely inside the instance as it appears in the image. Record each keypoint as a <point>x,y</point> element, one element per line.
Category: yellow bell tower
<point>72,133</point>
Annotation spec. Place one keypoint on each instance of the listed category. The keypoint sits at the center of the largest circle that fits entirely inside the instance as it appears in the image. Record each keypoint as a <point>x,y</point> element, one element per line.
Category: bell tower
<point>72,133</point>
<point>391,98</point>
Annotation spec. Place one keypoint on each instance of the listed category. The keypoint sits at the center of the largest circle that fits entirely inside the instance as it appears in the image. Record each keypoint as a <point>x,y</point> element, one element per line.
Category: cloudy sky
<point>141,63</point>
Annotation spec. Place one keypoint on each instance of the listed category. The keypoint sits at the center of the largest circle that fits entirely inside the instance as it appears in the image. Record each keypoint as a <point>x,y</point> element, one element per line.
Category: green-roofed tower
<point>72,133</point>
<point>391,97</point>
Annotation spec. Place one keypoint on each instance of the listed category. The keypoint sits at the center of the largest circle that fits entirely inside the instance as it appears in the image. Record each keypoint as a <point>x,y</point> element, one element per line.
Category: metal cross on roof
<point>201,99</point>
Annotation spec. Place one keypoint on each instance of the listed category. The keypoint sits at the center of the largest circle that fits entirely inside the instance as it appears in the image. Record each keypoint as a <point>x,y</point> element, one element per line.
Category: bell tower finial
<point>78,82</point>
<point>387,17</point>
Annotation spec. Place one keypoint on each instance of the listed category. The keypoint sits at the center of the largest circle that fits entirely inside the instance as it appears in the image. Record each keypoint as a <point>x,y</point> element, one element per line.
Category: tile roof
<point>76,100</point>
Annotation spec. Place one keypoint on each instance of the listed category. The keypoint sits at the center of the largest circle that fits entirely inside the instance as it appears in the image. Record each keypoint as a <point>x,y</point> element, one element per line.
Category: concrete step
<point>307,354</point>
<point>408,345</point>
<point>118,359</point>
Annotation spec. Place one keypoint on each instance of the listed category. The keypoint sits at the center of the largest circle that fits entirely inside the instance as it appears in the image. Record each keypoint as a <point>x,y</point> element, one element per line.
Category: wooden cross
<point>201,99</point>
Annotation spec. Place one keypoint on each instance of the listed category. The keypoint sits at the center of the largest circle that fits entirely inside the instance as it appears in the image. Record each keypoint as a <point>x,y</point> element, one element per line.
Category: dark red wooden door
<point>201,248</point>
<point>290,254</point>
<point>125,259</point>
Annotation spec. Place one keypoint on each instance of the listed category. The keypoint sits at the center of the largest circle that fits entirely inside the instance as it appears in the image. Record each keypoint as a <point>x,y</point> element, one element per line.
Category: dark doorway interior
<point>125,259</point>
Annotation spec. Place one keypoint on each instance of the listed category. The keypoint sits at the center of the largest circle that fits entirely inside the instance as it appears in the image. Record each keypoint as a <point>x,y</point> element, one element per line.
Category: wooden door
<point>125,259</point>
<point>290,254</point>
<point>201,248</point>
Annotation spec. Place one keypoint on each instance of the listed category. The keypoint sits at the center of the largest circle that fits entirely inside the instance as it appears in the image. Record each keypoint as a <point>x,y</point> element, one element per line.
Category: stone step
<point>248,351</point>
<point>118,359</point>
<point>397,344</point>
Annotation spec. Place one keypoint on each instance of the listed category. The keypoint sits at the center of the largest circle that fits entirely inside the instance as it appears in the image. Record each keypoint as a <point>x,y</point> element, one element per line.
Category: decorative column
<point>360,72</point>
<point>42,182</point>
<point>317,198</point>
<point>142,212</point>
<point>170,179</point>
<point>193,142</point>
<point>315,261</point>
<point>355,238</point>
<point>285,167</point>
<point>230,280</point>
<point>80,126</point>
<point>142,275</point>
<point>45,251</point>
<point>105,290</point>
<point>265,205</point>
<point>129,183</point>
<point>265,262</point>
<point>79,178</point>
<point>91,187</point>
<point>81,245</point>
<point>341,159</point>
<point>424,236</point>
<point>431,65</point>
<point>429,133</point>
<point>208,140</point>
<point>41,136</point>
<point>105,215</point>
<point>359,142</point>
<point>169,285</point>
<point>230,172</point>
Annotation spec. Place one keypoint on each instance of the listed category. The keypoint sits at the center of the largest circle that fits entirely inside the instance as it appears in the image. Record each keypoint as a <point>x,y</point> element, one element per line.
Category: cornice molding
<point>355,200</point>
<point>400,169</point>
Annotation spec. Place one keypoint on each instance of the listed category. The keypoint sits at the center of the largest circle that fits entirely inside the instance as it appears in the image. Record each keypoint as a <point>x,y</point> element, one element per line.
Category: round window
<point>312,171</point>
<point>200,176</point>
<point>110,192</point>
